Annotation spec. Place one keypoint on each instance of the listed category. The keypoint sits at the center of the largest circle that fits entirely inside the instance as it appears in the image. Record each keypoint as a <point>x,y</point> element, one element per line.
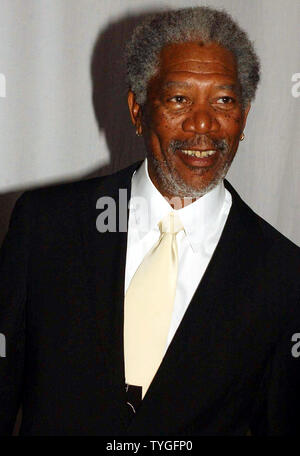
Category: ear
<point>135,111</point>
<point>245,115</point>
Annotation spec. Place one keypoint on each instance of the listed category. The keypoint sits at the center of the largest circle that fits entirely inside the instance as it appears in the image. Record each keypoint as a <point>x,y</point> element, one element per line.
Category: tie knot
<point>170,224</point>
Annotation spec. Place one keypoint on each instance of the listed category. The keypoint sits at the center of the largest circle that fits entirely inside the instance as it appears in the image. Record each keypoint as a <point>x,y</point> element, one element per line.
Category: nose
<point>200,121</point>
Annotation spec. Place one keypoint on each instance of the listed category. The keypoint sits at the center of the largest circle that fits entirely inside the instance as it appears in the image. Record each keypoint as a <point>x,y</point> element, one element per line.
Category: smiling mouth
<point>198,153</point>
<point>198,160</point>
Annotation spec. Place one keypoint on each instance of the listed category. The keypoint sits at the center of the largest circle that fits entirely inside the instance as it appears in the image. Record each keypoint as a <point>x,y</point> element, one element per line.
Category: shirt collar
<point>200,219</point>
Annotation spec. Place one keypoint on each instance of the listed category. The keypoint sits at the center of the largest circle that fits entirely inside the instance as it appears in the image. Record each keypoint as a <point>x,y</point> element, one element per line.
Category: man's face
<point>192,119</point>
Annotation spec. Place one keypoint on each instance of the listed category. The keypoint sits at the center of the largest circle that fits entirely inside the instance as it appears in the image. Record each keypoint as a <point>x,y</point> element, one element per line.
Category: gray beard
<point>174,185</point>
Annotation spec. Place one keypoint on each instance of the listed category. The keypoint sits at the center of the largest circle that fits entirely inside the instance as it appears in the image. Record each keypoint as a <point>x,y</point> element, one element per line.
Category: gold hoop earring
<point>242,137</point>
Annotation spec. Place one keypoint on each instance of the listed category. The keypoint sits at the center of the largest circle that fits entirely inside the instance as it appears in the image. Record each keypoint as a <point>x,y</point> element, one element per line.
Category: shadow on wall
<point>109,98</point>
<point>110,94</point>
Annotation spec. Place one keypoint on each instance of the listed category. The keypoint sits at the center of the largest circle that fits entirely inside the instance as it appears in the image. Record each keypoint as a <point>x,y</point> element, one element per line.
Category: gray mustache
<point>220,144</point>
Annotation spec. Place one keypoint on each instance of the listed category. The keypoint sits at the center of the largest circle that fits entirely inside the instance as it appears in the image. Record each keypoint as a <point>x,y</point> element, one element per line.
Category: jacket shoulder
<point>68,192</point>
<point>258,226</point>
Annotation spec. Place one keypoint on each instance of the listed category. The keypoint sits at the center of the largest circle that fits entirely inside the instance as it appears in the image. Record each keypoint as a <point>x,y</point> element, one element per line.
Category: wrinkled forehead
<point>197,57</point>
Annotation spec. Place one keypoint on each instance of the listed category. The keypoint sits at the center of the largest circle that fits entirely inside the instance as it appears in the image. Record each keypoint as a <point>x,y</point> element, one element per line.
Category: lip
<point>205,162</point>
<point>200,149</point>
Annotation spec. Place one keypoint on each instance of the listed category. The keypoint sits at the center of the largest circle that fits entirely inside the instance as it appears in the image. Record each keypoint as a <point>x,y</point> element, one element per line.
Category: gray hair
<point>189,24</point>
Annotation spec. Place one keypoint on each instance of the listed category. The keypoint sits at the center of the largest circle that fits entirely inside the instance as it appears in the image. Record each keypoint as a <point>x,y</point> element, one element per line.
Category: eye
<point>226,100</point>
<point>178,99</point>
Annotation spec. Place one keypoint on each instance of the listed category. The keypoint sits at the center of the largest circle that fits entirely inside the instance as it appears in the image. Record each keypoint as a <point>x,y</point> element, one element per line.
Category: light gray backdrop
<point>63,111</point>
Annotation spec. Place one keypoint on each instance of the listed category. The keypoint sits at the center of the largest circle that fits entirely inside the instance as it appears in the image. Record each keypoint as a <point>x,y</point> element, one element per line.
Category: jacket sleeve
<point>277,409</point>
<point>14,261</point>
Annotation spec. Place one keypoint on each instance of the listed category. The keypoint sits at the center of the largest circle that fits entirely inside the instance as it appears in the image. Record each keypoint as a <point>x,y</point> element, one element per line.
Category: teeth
<point>198,153</point>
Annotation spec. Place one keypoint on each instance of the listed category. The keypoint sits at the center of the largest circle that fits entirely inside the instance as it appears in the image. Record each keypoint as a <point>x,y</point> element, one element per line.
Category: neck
<point>178,203</point>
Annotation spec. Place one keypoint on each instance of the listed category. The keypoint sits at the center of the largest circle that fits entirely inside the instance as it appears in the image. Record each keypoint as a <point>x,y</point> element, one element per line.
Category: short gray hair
<point>189,24</point>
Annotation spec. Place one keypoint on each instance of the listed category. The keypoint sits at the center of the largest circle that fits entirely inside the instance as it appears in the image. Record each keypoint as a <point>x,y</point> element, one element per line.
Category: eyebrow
<point>168,84</point>
<point>228,87</point>
<point>175,83</point>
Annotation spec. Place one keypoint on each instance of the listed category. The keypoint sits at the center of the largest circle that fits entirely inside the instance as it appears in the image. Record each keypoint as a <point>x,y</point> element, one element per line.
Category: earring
<point>242,137</point>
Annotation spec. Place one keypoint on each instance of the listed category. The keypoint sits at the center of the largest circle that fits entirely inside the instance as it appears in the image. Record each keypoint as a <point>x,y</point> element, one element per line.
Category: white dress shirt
<point>203,223</point>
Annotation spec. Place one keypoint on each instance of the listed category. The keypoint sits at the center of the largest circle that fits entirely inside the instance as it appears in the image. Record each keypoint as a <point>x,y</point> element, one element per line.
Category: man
<point>184,324</point>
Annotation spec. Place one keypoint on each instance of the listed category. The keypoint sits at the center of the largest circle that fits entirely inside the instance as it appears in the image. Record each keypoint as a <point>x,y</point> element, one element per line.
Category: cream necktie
<point>148,306</point>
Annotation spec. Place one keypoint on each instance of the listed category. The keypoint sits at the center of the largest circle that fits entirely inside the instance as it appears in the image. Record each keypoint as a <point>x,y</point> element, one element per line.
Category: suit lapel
<point>105,258</point>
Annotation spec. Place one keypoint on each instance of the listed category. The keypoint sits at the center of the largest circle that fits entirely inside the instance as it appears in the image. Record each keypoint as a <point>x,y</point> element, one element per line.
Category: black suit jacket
<point>229,367</point>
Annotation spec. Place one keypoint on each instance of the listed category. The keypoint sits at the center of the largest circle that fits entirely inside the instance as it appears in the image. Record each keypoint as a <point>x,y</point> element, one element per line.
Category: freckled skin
<point>193,98</point>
